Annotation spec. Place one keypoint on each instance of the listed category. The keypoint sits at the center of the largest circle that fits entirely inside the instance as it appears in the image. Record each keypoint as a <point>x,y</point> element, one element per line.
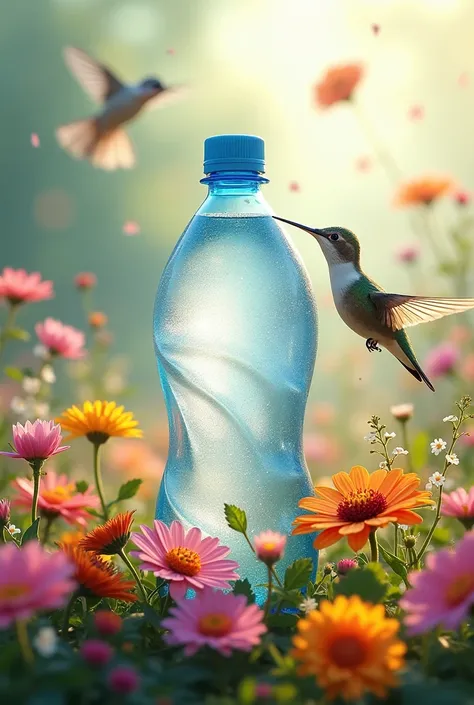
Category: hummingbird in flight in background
<point>100,138</point>
<point>367,309</point>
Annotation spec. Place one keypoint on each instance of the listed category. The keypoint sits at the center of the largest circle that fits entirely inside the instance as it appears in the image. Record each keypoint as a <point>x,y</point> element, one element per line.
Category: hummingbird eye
<point>334,236</point>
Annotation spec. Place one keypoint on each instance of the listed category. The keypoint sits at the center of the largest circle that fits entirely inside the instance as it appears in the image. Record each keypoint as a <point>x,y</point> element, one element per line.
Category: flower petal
<point>327,538</point>
<point>360,477</point>
<point>357,541</point>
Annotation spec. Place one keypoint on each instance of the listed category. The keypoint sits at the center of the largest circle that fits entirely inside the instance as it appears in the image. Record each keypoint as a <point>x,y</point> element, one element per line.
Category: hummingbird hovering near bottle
<point>367,309</point>
<point>100,138</point>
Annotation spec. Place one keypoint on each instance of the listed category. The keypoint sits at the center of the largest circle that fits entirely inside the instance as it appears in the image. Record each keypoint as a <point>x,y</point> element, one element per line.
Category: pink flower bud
<point>462,198</point>
<point>85,280</point>
<point>107,623</point>
<point>263,690</point>
<point>96,652</point>
<point>123,679</point>
<point>269,546</point>
<point>4,512</point>
<point>345,565</point>
<point>408,254</point>
<point>402,412</point>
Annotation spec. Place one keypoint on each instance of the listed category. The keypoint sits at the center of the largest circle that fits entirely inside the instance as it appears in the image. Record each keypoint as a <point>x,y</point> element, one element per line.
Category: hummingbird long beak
<point>312,231</point>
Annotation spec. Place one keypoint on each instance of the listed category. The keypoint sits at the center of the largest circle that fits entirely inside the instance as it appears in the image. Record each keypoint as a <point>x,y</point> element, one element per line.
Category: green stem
<point>6,328</point>
<point>47,527</point>
<point>406,445</point>
<point>274,573</point>
<point>269,594</point>
<point>24,641</point>
<point>68,611</point>
<point>395,540</point>
<point>374,548</point>
<point>134,572</point>
<point>36,466</point>
<point>98,481</point>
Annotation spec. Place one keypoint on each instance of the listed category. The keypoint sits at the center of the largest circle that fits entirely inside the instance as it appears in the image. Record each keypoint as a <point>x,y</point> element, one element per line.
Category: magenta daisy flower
<point>223,621</point>
<point>269,546</point>
<point>184,558</point>
<point>36,441</point>
<point>443,593</point>
<point>31,580</point>
<point>459,504</point>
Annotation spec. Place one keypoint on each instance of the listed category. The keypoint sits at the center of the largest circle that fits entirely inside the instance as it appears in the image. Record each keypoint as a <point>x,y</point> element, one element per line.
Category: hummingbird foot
<point>372,345</point>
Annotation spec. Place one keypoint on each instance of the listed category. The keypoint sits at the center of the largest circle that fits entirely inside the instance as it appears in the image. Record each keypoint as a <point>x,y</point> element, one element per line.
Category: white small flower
<point>437,479</point>
<point>433,507</point>
<point>41,351</point>
<point>404,527</point>
<point>12,529</point>
<point>437,446</point>
<point>18,405</point>
<point>428,486</point>
<point>399,451</point>
<point>383,465</point>
<point>452,459</point>
<point>48,375</point>
<point>46,641</point>
<point>31,385</point>
<point>450,418</point>
<point>308,605</point>
<point>371,437</point>
<point>41,410</point>
<point>389,435</point>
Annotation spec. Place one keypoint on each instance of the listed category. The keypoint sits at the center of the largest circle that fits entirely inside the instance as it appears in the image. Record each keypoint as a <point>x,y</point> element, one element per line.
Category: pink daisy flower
<point>58,498</point>
<point>269,546</point>
<point>85,280</point>
<point>19,287</point>
<point>459,504</point>
<point>31,580</point>
<point>185,559</point>
<point>36,441</point>
<point>441,360</point>
<point>64,341</point>
<point>216,619</point>
<point>443,593</point>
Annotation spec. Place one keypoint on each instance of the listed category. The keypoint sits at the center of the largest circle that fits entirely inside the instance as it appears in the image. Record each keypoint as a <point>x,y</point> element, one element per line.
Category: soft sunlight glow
<point>135,23</point>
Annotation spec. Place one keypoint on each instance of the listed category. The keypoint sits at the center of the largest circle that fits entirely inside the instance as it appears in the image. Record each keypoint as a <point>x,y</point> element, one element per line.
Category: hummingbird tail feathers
<point>419,375</point>
<point>110,150</point>
<point>402,350</point>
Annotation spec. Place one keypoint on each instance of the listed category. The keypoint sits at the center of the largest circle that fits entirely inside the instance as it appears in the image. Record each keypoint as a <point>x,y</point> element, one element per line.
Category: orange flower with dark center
<point>98,578</point>
<point>109,538</point>
<point>338,84</point>
<point>361,503</point>
<point>423,191</point>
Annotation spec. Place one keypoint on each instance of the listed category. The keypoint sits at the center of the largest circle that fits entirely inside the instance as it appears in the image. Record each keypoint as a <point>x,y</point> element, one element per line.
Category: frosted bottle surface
<point>235,340</point>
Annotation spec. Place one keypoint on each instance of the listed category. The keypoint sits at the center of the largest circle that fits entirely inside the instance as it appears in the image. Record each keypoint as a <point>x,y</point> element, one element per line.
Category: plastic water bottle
<point>235,332</point>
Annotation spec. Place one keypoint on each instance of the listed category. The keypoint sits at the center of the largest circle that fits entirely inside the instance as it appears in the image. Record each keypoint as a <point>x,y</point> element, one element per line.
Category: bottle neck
<point>234,192</point>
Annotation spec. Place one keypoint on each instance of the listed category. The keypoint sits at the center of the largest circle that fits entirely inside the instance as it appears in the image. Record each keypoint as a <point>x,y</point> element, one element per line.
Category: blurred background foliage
<point>251,66</point>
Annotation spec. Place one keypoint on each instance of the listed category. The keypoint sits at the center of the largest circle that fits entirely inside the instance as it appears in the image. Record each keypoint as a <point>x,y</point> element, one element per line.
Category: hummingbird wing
<point>96,79</point>
<point>168,96</point>
<point>398,311</point>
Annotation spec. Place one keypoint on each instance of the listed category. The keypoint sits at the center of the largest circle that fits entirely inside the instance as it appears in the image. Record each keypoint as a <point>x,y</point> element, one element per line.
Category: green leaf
<point>14,373</point>
<point>94,513</point>
<point>243,587</point>
<point>298,573</point>
<point>366,582</point>
<point>288,597</point>
<point>32,532</point>
<point>82,486</point>
<point>419,450</point>
<point>395,563</point>
<point>17,334</point>
<point>236,518</point>
<point>151,616</point>
<point>129,489</point>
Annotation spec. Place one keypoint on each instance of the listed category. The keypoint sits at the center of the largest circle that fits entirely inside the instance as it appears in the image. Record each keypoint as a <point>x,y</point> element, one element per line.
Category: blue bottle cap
<point>234,153</point>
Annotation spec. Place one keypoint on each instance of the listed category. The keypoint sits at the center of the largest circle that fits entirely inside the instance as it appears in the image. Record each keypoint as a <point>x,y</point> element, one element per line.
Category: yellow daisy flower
<point>350,647</point>
<point>98,421</point>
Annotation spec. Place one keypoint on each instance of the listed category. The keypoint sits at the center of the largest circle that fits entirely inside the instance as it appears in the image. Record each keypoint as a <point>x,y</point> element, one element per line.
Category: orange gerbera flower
<point>360,504</point>
<point>351,648</point>
<point>337,84</point>
<point>423,191</point>
<point>98,578</point>
<point>111,537</point>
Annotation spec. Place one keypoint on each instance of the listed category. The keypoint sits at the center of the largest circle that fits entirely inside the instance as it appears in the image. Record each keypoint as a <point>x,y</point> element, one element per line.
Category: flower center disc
<point>361,505</point>
<point>8,592</point>
<point>217,624</point>
<point>59,494</point>
<point>460,589</point>
<point>183,560</point>
<point>347,651</point>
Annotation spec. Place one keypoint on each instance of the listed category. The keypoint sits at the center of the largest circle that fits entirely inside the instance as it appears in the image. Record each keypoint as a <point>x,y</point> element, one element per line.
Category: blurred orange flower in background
<point>337,84</point>
<point>423,191</point>
<point>136,458</point>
